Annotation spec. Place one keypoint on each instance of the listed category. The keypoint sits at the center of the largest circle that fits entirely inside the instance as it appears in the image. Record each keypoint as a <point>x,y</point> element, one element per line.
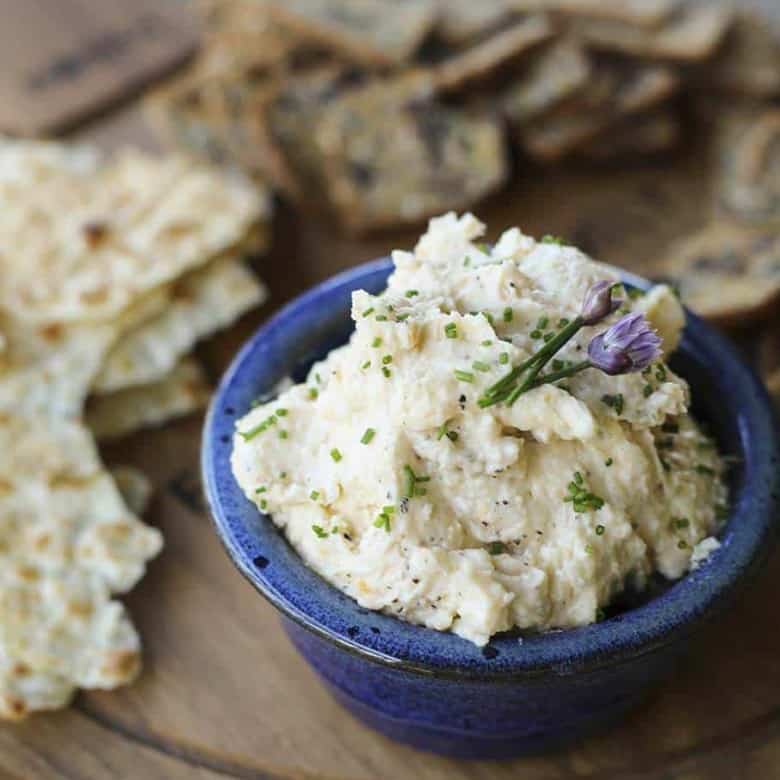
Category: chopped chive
<point>383,521</point>
<point>608,462</point>
<point>536,334</point>
<point>262,489</point>
<point>616,402</point>
<point>402,317</point>
<point>488,316</point>
<point>452,435</point>
<point>508,314</point>
<point>578,477</point>
<point>318,378</point>
<point>548,239</point>
<point>412,293</point>
<point>464,376</point>
<point>366,365</point>
<point>319,531</point>
<point>678,523</point>
<point>563,322</point>
<point>660,373</point>
<point>557,365</point>
<point>486,343</point>
<point>600,530</point>
<point>478,365</point>
<point>314,495</point>
<point>682,544</point>
<point>410,480</point>
<point>377,342</point>
<point>503,358</point>
<point>451,330</point>
<point>283,434</point>
<point>258,429</point>
<point>281,412</point>
<point>368,312</point>
<point>543,323</point>
<point>647,391</point>
<point>386,371</point>
<point>589,549</point>
<point>367,436</point>
<point>496,548</point>
<point>264,505</point>
<point>381,318</point>
<point>387,359</point>
<point>548,337</point>
<point>335,454</point>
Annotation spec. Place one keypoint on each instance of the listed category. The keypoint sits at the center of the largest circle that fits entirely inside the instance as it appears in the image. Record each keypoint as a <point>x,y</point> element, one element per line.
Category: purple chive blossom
<point>629,345</point>
<point>598,302</point>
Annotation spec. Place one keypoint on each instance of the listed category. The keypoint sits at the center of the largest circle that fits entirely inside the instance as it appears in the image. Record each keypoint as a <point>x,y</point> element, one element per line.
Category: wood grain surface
<point>224,695</point>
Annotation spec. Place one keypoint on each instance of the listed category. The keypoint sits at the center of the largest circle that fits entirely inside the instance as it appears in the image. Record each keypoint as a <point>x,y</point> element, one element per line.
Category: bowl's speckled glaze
<point>435,690</point>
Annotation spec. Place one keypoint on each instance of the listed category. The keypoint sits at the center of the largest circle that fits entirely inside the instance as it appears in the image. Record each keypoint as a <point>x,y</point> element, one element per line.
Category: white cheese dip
<point>487,542</point>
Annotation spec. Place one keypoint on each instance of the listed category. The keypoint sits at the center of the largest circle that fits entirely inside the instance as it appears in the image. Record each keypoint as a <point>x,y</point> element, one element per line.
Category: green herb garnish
<point>367,436</point>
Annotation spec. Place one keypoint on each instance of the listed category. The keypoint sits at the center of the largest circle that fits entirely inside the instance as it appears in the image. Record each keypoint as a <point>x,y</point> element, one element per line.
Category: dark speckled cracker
<point>614,91</point>
<point>642,13</point>
<point>749,175</point>
<point>690,35</point>
<point>374,32</point>
<point>728,274</point>
<point>748,63</point>
<point>461,20</point>
<point>427,160</point>
<point>486,56</point>
<point>648,134</point>
<point>550,76</point>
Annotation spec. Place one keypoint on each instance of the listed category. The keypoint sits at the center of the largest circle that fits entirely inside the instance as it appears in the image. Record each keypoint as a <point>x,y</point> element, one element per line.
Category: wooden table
<point>224,695</point>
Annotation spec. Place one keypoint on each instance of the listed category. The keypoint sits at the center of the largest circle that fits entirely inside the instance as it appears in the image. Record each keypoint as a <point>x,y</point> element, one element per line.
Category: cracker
<point>135,224</point>
<point>551,76</point>
<point>485,57</point>
<point>691,35</point>
<point>648,134</point>
<point>134,487</point>
<point>749,176</point>
<point>461,20</point>
<point>374,32</point>
<point>68,543</point>
<point>291,116</point>
<point>202,303</point>
<point>183,391</point>
<point>642,13</point>
<point>727,274</point>
<point>429,159</point>
<point>615,91</point>
<point>749,61</point>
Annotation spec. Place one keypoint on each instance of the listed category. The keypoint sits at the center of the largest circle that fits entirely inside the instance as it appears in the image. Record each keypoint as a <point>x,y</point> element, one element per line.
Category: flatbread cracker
<point>691,35</point>
<point>183,391</point>
<point>727,274</point>
<point>485,57</point>
<point>202,303</point>
<point>749,176</point>
<point>134,487</point>
<point>552,75</point>
<point>615,91</point>
<point>748,63</point>
<point>461,20</point>
<point>374,32</point>
<point>648,134</point>
<point>68,543</point>
<point>642,13</point>
<point>135,224</point>
<point>428,160</point>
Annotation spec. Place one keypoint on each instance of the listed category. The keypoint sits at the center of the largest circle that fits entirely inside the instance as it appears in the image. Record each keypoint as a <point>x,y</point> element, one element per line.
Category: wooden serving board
<point>223,693</point>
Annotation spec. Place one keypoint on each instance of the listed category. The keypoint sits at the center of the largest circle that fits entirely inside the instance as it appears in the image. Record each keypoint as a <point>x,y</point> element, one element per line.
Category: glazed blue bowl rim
<point>322,609</point>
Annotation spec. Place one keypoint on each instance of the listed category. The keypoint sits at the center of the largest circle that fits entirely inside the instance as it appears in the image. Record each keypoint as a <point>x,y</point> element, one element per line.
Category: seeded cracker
<point>133,225</point>
<point>68,543</point>
<point>483,58</point>
<point>552,75</point>
<point>613,92</point>
<point>183,391</point>
<point>202,303</point>
<point>642,13</point>
<point>726,273</point>
<point>375,32</point>
<point>749,176</point>
<point>690,35</point>
<point>430,159</point>
<point>460,20</point>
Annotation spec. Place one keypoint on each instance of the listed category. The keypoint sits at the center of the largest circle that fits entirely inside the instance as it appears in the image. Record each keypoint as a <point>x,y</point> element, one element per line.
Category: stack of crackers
<point>383,112</point>
<point>110,271</point>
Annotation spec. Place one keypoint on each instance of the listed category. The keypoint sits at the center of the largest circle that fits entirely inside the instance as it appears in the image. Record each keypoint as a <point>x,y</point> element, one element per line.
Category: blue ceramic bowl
<point>440,692</point>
